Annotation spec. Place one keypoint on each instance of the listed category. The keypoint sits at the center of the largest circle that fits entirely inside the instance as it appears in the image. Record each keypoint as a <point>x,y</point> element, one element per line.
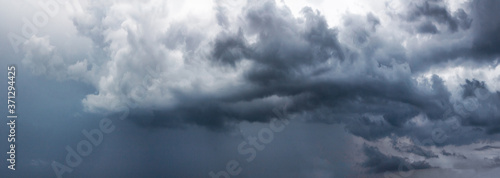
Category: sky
<point>253,88</point>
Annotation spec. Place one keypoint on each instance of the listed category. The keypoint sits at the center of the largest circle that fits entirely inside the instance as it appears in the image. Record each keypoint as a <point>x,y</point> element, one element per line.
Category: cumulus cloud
<point>174,64</point>
<point>42,58</point>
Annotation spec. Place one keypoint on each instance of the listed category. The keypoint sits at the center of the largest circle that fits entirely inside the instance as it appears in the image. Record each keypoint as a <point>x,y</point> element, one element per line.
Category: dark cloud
<point>290,54</point>
<point>471,87</point>
<point>397,110</point>
<point>416,150</point>
<point>427,27</point>
<point>371,76</point>
<point>350,74</point>
<point>282,52</point>
<point>482,107</point>
<point>478,44</point>
<point>437,11</point>
<point>487,147</point>
<point>485,43</point>
<point>378,162</point>
<point>445,153</point>
<point>284,43</point>
<point>229,48</point>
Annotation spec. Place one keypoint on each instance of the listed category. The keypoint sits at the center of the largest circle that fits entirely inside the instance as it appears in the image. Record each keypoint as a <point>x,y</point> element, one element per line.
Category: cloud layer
<point>232,61</point>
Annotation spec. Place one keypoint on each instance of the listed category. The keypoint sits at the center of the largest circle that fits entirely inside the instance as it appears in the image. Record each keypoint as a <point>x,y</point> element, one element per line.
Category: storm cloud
<point>423,71</point>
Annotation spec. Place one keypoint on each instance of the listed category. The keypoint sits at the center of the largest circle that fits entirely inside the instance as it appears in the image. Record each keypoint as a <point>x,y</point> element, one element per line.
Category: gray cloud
<point>477,45</point>
<point>416,150</point>
<point>350,74</point>
<point>445,153</point>
<point>378,162</point>
<point>427,27</point>
<point>437,11</point>
<point>487,147</point>
<point>372,72</point>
